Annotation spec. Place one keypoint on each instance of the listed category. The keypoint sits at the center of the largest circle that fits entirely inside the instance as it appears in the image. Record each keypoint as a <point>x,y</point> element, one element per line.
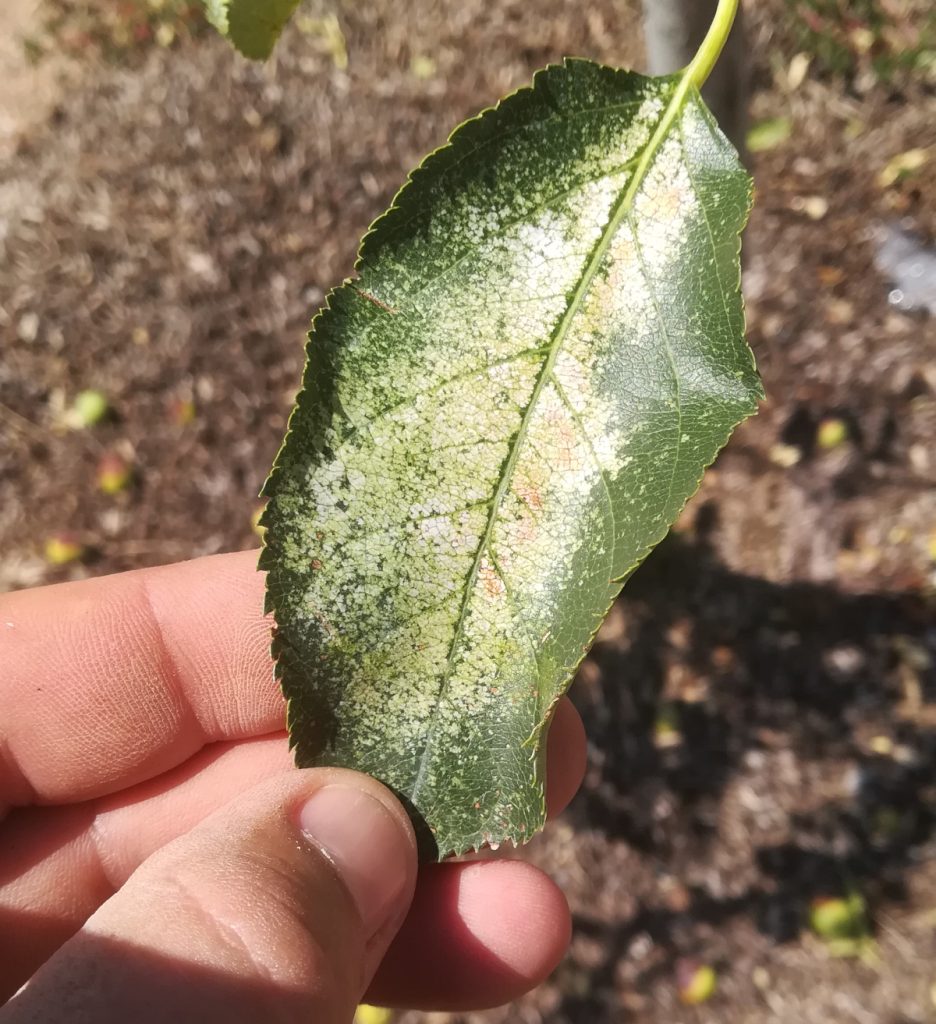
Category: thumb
<point>278,907</point>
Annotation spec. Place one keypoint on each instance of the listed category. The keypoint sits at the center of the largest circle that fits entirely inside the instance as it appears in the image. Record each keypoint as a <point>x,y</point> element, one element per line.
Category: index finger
<point>108,682</point>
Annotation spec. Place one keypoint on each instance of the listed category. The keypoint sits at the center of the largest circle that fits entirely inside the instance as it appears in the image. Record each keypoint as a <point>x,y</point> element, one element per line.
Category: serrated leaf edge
<point>684,91</point>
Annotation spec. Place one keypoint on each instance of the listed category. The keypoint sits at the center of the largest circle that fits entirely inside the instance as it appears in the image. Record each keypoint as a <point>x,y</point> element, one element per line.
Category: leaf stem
<point>702,63</point>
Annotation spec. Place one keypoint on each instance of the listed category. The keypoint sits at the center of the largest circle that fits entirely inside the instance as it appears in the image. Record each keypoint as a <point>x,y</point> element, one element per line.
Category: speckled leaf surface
<point>500,417</point>
<point>252,25</point>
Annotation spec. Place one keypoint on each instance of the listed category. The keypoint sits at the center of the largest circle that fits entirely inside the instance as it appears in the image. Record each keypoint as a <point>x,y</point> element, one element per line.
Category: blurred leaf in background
<point>253,26</point>
<point>769,134</point>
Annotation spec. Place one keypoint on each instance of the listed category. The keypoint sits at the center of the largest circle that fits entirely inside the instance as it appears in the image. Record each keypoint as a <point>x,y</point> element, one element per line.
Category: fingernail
<point>367,845</point>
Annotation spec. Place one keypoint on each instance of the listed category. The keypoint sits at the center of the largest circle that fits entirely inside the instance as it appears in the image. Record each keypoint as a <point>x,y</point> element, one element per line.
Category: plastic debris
<point>910,267</point>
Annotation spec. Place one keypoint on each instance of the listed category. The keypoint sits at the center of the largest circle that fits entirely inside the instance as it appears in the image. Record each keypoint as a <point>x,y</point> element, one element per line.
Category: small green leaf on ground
<point>667,727</point>
<point>372,1015</point>
<point>902,166</point>
<point>181,411</point>
<point>797,71</point>
<point>785,455</point>
<point>329,36</point>
<point>88,408</point>
<point>113,473</point>
<point>883,746</point>
<point>28,327</point>
<point>422,66</point>
<point>815,207</point>
<point>842,923</point>
<point>769,134</point>
<point>831,433</point>
<point>63,548</point>
<point>500,417</point>
<point>697,982</point>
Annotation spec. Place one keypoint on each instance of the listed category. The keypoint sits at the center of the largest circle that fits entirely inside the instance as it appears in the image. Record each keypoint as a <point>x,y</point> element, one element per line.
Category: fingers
<point>566,751</point>
<point>108,684</point>
<point>111,681</point>
<point>57,865</point>
<point>477,935</point>
<point>279,906</point>
<point>482,934</point>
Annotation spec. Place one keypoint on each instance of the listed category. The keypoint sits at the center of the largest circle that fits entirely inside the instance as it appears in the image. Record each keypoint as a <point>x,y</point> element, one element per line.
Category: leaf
<point>331,39</point>
<point>769,134</point>
<point>499,419</point>
<point>902,166</point>
<point>253,26</point>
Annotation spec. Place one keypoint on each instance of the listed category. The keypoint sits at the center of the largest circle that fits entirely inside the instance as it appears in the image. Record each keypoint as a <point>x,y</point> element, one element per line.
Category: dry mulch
<point>760,706</point>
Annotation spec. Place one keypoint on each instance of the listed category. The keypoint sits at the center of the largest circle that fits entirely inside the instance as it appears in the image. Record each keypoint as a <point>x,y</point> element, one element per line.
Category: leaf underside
<point>499,419</point>
<point>253,26</point>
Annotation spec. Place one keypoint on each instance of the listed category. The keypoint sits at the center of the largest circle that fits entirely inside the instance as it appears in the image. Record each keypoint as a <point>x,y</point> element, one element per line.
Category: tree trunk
<point>673,31</point>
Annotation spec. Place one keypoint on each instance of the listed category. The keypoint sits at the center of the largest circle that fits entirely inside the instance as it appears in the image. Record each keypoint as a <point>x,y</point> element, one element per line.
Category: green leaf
<point>252,25</point>
<point>769,134</point>
<point>499,419</point>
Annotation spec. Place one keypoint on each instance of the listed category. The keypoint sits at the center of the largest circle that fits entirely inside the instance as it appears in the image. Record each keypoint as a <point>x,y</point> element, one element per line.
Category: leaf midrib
<point>619,213</point>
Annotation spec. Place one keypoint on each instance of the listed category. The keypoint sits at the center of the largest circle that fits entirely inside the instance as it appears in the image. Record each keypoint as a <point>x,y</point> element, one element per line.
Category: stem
<point>702,63</point>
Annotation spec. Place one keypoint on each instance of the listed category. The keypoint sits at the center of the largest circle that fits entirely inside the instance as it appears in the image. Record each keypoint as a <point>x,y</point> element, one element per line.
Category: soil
<point>761,705</point>
<point>29,89</point>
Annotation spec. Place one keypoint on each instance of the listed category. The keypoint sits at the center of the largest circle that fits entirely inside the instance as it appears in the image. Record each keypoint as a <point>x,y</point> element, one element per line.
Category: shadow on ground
<point>708,671</point>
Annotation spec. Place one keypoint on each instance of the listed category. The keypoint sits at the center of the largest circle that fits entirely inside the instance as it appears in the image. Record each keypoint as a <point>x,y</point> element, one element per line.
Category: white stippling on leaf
<point>479,459</point>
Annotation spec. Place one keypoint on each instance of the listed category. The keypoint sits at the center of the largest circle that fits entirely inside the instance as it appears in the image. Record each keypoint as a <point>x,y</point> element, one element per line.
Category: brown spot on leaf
<point>561,439</point>
<point>492,583</point>
<point>530,495</point>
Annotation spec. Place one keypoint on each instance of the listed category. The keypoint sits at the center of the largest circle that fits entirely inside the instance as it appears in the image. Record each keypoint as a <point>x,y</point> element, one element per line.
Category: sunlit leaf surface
<point>252,25</point>
<point>501,416</point>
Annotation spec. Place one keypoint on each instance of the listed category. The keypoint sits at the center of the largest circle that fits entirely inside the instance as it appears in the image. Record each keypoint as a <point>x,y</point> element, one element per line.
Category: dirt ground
<point>761,705</point>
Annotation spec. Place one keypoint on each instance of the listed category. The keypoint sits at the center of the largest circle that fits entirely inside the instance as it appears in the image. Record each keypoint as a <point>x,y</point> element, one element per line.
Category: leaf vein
<point>667,344</point>
<point>619,211</point>
<point>357,429</point>
<point>708,223</point>
<point>564,398</point>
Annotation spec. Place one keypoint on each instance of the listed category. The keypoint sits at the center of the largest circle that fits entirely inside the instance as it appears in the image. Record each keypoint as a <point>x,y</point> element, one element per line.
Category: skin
<point>149,811</point>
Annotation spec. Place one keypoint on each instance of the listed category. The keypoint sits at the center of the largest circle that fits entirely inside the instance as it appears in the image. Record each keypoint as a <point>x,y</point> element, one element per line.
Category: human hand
<point>160,858</point>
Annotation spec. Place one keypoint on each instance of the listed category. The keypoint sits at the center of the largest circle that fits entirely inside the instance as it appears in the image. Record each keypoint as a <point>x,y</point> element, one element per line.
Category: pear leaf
<point>253,26</point>
<point>500,416</point>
